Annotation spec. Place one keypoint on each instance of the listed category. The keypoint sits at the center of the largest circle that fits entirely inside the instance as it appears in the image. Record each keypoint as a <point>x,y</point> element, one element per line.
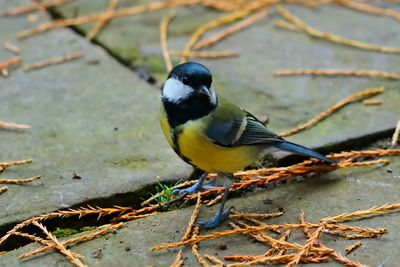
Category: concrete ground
<point>95,117</point>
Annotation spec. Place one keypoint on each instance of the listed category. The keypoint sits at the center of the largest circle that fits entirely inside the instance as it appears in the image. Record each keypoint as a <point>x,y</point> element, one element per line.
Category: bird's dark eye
<point>185,80</point>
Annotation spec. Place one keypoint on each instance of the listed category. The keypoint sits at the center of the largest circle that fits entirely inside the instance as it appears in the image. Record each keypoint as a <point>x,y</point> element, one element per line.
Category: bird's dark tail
<point>292,147</point>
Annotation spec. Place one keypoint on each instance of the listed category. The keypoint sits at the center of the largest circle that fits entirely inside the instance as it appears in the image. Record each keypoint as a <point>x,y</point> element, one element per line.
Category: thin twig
<point>123,12</point>
<point>204,54</point>
<point>396,134</point>
<point>19,180</point>
<point>195,249</point>
<point>245,23</point>
<point>332,37</point>
<point>326,113</point>
<point>13,126</point>
<point>3,189</point>
<point>12,48</point>
<point>283,24</point>
<point>163,39</point>
<point>33,7</point>
<point>367,8</point>
<point>178,262</point>
<point>335,72</point>
<point>353,247</point>
<point>101,23</point>
<point>231,17</point>
<point>356,215</point>
<point>8,63</point>
<point>52,61</point>
<point>193,218</point>
<point>372,102</point>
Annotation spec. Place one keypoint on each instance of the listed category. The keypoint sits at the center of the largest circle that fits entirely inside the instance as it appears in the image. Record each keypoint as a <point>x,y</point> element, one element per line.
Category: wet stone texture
<point>96,118</point>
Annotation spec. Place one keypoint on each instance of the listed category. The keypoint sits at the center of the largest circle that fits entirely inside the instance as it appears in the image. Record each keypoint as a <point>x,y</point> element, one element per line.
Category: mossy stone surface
<point>92,116</point>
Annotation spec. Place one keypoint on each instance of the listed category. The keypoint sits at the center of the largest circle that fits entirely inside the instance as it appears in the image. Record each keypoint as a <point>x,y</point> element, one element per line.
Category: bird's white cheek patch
<point>175,91</point>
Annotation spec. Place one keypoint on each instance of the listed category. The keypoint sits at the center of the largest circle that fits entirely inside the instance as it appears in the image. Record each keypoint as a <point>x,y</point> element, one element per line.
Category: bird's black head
<point>192,74</point>
<point>188,93</point>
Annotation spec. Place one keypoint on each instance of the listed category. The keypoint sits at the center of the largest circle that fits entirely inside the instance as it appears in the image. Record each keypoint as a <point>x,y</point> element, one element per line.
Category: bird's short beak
<point>203,91</point>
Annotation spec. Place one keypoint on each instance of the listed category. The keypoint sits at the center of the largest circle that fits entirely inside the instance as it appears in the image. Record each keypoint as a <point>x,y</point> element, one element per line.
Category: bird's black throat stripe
<point>188,109</point>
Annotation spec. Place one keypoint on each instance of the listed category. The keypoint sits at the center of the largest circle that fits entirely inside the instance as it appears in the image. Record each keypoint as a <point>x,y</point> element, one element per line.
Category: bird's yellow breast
<point>208,156</point>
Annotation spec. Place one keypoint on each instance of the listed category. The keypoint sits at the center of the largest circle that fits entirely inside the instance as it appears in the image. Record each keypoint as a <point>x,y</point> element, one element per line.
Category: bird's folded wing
<point>241,128</point>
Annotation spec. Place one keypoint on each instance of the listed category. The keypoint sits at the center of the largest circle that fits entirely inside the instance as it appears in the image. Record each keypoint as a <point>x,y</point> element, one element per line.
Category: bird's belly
<point>206,155</point>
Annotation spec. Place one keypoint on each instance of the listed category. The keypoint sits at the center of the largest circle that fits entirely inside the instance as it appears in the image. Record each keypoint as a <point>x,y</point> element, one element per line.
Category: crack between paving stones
<point>140,72</point>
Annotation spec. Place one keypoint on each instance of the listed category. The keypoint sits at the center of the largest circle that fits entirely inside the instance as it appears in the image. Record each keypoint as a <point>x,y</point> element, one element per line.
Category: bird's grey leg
<point>191,189</point>
<point>221,214</point>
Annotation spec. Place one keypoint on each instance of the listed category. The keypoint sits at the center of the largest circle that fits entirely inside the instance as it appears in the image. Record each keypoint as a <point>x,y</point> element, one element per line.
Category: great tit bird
<point>212,134</point>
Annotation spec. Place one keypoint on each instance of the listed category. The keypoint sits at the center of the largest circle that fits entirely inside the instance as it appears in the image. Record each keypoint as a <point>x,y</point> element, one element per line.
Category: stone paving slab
<point>94,119</point>
<point>248,80</point>
<point>325,195</point>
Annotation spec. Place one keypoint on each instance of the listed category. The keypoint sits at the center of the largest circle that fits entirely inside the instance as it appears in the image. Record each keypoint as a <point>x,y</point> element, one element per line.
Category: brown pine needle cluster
<point>282,250</point>
<point>326,113</point>
<point>102,230</point>
<point>85,211</point>
<point>333,72</point>
<point>265,176</point>
<point>52,61</point>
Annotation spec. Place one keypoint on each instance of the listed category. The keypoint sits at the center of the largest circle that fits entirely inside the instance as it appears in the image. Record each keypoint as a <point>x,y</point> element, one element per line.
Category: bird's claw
<point>215,220</point>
